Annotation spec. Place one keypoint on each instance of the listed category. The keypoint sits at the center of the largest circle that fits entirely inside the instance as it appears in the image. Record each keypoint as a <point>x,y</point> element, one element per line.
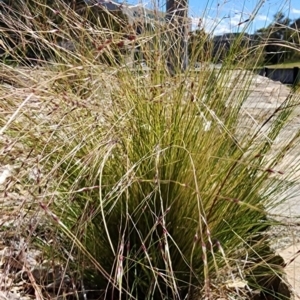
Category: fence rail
<point>286,76</point>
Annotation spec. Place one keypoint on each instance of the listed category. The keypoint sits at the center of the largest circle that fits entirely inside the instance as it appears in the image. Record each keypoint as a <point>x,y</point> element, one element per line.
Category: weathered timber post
<point>177,20</point>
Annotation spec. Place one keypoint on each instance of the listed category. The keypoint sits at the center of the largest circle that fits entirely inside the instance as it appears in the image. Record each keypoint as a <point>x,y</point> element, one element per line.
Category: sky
<point>223,16</point>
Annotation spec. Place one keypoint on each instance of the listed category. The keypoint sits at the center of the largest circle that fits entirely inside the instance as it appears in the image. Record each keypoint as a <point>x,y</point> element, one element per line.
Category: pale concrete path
<point>265,97</point>
<point>292,258</point>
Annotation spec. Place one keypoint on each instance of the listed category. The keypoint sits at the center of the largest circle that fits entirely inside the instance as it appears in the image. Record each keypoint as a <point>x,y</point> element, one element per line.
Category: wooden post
<point>176,17</point>
<point>266,72</point>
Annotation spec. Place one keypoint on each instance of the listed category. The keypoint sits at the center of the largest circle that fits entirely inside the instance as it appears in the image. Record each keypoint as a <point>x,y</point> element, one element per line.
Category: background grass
<point>285,65</point>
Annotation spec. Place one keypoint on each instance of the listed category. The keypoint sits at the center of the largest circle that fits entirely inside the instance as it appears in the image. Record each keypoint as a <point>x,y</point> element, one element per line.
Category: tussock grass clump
<point>153,191</point>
